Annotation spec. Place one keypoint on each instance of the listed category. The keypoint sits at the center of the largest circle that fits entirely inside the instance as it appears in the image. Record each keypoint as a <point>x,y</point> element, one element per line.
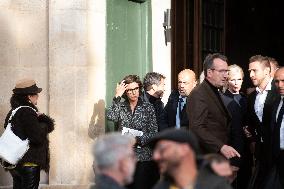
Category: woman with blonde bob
<point>236,104</point>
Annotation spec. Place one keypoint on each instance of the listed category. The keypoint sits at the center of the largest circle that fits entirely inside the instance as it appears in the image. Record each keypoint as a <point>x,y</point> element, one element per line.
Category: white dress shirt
<point>282,126</point>
<point>260,100</point>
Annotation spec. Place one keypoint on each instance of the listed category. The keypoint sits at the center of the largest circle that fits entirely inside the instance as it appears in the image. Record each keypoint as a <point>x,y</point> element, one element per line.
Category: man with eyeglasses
<point>174,114</point>
<point>209,119</point>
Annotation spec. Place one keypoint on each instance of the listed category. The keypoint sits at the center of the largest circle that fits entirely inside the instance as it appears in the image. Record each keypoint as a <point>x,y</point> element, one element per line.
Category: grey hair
<point>152,78</point>
<point>109,149</point>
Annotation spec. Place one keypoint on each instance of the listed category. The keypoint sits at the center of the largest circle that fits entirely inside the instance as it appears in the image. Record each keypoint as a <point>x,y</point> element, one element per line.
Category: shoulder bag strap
<point>16,109</point>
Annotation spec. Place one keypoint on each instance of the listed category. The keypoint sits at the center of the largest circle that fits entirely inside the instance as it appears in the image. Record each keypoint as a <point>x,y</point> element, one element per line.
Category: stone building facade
<point>63,44</point>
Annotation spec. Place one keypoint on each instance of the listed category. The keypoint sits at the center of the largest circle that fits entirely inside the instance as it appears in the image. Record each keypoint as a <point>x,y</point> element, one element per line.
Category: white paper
<point>133,132</point>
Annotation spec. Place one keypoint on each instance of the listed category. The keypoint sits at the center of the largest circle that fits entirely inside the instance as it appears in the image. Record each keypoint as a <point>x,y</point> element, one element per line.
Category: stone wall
<point>23,53</point>
<point>62,45</point>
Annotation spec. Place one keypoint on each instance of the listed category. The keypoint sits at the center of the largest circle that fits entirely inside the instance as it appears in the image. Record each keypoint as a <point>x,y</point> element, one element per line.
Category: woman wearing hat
<point>29,124</point>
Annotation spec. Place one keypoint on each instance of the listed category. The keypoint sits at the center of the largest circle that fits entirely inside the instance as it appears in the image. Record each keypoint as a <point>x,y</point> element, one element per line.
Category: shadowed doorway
<point>245,28</point>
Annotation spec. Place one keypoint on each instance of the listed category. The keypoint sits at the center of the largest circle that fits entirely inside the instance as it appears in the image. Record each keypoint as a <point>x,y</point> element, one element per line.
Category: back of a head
<point>109,149</point>
<point>273,62</point>
<point>273,65</point>
<point>152,78</point>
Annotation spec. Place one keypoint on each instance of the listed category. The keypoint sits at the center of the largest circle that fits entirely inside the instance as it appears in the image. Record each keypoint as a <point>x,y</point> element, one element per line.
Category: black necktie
<point>180,101</point>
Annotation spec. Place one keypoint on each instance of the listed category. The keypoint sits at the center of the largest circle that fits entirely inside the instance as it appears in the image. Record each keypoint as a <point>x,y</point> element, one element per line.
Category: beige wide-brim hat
<point>26,86</point>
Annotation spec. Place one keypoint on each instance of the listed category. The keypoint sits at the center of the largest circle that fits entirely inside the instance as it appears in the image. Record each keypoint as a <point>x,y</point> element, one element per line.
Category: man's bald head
<point>279,80</point>
<point>186,82</point>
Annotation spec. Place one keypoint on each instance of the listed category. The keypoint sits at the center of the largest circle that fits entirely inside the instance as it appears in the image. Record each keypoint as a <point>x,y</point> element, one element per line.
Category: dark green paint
<point>129,49</point>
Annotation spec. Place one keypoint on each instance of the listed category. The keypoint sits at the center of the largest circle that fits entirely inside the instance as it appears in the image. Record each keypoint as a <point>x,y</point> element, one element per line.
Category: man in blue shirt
<point>174,114</point>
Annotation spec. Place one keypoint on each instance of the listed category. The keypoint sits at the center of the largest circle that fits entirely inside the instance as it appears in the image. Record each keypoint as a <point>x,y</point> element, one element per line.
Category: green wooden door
<point>128,42</point>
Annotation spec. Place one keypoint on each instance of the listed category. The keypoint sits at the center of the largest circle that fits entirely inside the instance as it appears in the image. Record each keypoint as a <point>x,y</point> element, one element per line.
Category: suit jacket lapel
<point>270,98</point>
<point>252,103</point>
<point>274,112</point>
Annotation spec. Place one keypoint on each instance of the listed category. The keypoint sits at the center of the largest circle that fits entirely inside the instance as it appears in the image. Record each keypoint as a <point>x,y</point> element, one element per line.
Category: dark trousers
<point>146,175</point>
<point>26,177</point>
<point>245,171</point>
<point>281,168</point>
<point>262,167</point>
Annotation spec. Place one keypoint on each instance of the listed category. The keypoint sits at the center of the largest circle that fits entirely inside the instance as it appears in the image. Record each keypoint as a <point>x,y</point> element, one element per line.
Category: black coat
<point>157,104</point>
<point>168,118</point>
<point>261,132</point>
<point>238,111</point>
<point>275,133</point>
<point>26,124</point>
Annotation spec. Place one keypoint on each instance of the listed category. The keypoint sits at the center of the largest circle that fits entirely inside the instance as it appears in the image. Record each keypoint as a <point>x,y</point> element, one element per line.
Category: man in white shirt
<point>260,105</point>
<point>278,126</point>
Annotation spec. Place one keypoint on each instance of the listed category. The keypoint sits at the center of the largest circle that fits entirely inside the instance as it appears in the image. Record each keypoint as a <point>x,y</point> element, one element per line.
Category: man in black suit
<point>174,114</point>
<point>278,126</point>
<point>260,105</point>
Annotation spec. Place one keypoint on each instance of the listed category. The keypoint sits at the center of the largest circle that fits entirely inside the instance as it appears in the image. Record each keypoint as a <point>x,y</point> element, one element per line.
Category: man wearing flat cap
<point>175,152</point>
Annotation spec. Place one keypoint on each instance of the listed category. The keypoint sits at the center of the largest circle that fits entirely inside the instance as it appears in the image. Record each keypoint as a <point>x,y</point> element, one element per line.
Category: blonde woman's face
<point>235,81</point>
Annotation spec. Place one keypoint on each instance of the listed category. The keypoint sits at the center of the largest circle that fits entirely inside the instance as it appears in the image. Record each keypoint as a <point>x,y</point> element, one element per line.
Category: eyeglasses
<point>221,71</point>
<point>132,90</point>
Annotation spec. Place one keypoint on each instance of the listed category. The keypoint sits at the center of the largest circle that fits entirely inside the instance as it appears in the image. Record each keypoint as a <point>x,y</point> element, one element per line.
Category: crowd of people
<point>209,134</point>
